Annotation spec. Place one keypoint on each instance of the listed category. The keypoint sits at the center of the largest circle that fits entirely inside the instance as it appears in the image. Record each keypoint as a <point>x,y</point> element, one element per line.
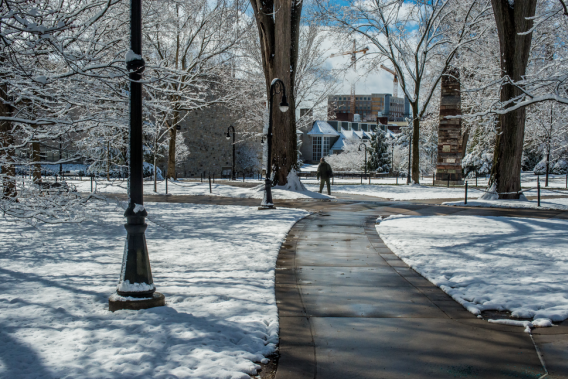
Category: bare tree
<point>513,21</point>
<point>191,45</point>
<point>418,38</point>
<point>278,23</point>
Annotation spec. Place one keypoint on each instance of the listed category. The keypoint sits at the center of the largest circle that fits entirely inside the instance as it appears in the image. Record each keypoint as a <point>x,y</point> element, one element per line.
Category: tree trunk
<point>36,167</point>
<point>511,20</point>
<point>6,140</point>
<point>278,25</point>
<point>171,171</point>
<point>172,155</point>
<point>108,161</point>
<point>415,145</point>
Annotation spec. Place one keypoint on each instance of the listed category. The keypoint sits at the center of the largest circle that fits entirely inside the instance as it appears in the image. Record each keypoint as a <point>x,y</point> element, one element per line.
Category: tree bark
<point>278,25</point>
<point>511,20</point>
<point>171,171</point>
<point>36,167</point>
<point>6,139</point>
<point>108,161</point>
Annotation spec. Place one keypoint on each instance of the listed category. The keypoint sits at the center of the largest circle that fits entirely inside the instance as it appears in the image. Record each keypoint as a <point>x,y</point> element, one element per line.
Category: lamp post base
<point>268,206</point>
<point>117,302</point>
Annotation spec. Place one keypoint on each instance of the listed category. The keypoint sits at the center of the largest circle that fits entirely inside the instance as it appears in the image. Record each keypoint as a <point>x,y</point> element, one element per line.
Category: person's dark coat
<point>324,171</point>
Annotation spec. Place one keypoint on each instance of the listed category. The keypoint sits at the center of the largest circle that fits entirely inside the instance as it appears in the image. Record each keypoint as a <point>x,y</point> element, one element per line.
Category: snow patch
<point>132,56</point>
<point>138,208</point>
<point>126,286</point>
<point>488,263</point>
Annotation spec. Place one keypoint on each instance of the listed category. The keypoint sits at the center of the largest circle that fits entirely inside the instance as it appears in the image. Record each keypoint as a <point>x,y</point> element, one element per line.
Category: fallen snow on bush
<point>488,263</point>
<point>215,265</point>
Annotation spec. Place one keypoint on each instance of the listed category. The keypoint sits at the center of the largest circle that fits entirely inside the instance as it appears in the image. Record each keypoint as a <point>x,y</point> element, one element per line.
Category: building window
<point>325,147</point>
<point>321,147</point>
<point>316,149</point>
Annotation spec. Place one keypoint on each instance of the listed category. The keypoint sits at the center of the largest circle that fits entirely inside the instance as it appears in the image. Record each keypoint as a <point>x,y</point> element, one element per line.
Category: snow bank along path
<point>488,263</point>
<point>215,264</point>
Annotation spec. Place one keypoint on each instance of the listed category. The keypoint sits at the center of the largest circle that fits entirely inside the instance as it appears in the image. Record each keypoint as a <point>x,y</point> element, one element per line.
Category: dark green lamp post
<point>135,288</point>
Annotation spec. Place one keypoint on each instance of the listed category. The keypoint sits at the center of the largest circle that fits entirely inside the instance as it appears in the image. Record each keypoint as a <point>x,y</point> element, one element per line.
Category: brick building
<point>369,106</point>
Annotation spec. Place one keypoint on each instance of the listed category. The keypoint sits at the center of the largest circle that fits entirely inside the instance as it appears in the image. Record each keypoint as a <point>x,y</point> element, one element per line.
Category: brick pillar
<point>450,149</point>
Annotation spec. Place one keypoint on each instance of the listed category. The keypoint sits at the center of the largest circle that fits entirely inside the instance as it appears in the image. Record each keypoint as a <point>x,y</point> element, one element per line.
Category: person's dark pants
<point>322,181</point>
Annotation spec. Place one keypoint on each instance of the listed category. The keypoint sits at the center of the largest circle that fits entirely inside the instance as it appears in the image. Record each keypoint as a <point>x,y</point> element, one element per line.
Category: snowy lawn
<point>488,263</point>
<point>356,181</point>
<point>401,192</point>
<point>215,264</point>
<point>558,203</point>
<point>409,192</point>
<point>196,188</point>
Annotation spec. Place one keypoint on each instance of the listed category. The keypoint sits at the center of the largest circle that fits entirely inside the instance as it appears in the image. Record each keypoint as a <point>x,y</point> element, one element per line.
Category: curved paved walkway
<point>349,308</point>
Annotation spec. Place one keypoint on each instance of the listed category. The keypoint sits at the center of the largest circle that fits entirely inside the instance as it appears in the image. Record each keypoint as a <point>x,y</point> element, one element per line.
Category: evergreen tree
<point>380,157</point>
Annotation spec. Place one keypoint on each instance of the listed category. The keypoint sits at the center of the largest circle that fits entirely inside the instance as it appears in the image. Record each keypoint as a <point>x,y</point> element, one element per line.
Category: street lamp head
<point>284,104</point>
<point>228,135</point>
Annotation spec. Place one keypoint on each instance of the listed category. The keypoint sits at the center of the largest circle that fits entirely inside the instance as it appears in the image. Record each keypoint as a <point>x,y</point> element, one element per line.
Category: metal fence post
<point>465,200</point>
<point>166,185</point>
<point>210,184</point>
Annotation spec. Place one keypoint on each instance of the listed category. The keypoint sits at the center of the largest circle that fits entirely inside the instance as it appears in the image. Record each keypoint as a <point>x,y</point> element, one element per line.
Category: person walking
<point>324,174</point>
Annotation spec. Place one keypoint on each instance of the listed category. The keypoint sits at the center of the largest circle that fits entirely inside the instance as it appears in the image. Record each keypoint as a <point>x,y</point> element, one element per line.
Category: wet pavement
<point>350,308</point>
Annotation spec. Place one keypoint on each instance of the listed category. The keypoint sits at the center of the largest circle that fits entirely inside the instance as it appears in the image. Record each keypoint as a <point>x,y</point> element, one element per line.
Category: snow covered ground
<point>406,192</point>
<point>356,181</point>
<point>558,203</point>
<point>410,192</point>
<point>194,188</point>
<point>528,180</point>
<point>215,264</point>
<point>488,263</point>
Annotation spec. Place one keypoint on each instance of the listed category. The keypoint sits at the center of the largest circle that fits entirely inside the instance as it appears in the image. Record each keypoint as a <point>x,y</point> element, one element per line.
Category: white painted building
<point>328,137</point>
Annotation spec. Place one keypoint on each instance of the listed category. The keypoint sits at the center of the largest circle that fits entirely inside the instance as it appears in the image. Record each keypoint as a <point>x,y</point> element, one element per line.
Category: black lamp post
<point>409,157</point>
<point>277,87</point>
<point>228,135</point>
<point>136,276</point>
<point>365,148</point>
